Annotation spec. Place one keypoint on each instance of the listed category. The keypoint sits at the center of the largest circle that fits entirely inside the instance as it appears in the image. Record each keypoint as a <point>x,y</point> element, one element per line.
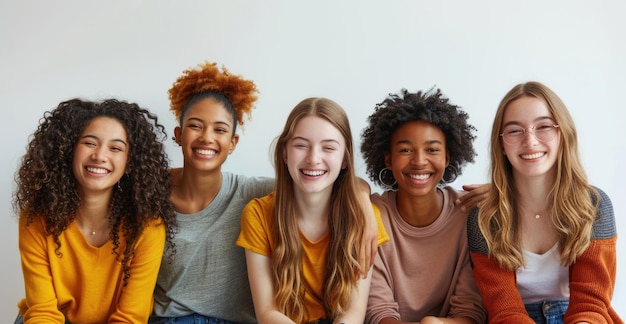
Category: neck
<point>312,205</point>
<point>193,191</point>
<point>420,211</point>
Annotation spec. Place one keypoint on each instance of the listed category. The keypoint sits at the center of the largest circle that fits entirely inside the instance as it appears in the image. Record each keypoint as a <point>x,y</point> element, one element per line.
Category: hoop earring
<point>175,141</point>
<point>380,179</point>
<point>454,173</point>
<point>119,186</point>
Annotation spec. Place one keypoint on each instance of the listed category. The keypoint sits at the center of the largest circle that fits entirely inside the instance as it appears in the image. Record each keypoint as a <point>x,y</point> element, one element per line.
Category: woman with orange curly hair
<point>207,279</point>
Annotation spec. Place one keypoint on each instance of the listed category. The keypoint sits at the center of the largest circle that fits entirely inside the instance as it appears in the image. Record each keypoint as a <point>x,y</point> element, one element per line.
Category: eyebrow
<point>219,122</point>
<point>429,142</point>
<point>330,140</point>
<point>538,119</point>
<point>119,140</point>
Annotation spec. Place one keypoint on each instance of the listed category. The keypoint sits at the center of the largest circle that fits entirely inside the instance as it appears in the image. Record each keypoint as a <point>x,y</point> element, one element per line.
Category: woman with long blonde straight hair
<point>300,240</point>
<point>543,244</point>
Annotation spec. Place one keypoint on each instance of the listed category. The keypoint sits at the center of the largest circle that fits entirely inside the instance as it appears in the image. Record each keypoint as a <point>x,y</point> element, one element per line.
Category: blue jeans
<point>189,319</point>
<point>547,312</point>
<point>20,320</point>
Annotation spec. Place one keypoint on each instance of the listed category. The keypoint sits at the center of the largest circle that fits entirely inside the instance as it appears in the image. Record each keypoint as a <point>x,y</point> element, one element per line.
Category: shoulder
<point>261,205</point>
<point>476,240</point>
<point>604,225</point>
<point>452,193</point>
<point>243,182</point>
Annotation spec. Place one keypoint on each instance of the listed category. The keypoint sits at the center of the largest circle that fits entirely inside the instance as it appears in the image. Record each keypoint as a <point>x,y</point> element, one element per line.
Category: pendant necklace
<point>537,215</point>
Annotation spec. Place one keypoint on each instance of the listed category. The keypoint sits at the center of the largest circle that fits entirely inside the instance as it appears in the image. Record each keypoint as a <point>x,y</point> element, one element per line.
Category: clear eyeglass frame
<point>543,132</point>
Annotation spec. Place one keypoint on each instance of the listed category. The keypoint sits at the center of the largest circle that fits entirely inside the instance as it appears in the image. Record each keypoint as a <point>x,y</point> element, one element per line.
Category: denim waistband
<point>188,319</point>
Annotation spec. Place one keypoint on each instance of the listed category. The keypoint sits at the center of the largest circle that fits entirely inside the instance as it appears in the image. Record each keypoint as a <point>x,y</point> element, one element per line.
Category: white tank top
<point>543,277</point>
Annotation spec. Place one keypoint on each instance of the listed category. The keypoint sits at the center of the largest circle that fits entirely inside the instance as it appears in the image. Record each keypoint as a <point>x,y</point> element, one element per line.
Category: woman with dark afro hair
<point>416,143</point>
<point>94,214</point>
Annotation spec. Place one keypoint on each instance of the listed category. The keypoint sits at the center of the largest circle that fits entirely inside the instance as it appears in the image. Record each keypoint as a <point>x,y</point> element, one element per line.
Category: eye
<point>117,149</point>
<point>405,150</point>
<point>329,148</point>
<point>543,127</point>
<point>513,131</point>
<point>221,130</point>
<point>433,150</point>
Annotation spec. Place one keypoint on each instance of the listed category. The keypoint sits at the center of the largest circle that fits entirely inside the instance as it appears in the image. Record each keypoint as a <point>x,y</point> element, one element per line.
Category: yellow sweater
<point>85,284</point>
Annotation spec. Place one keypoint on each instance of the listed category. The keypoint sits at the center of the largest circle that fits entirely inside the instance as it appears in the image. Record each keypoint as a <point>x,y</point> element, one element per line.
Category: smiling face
<point>417,158</point>
<point>530,157</point>
<point>314,155</point>
<point>100,155</point>
<point>206,135</point>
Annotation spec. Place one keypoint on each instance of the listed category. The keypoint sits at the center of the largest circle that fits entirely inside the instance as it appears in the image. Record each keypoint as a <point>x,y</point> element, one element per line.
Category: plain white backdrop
<point>354,52</point>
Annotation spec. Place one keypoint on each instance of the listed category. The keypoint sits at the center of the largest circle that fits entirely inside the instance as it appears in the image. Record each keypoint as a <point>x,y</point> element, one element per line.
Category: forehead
<point>317,128</point>
<point>210,109</point>
<point>105,126</point>
<point>526,110</point>
<point>417,131</point>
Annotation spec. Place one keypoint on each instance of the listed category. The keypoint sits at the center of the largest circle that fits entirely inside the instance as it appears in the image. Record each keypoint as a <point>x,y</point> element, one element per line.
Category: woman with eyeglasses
<point>543,244</point>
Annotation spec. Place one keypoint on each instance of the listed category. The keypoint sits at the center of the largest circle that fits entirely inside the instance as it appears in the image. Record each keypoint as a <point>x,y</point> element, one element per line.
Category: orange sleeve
<point>592,281</point>
<point>499,291</point>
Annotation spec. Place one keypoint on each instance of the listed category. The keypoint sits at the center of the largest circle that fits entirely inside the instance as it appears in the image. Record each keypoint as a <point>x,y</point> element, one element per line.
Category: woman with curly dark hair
<point>416,143</point>
<point>94,213</point>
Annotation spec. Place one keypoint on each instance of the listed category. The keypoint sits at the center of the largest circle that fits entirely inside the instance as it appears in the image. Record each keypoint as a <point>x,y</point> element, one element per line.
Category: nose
<point>313,156</point>
<point>529,137</point>
<point>205,136</point>
<point>98,154</point>
<point>418,158</point>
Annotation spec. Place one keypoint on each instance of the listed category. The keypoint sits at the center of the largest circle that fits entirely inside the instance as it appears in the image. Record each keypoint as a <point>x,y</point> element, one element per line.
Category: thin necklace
<point>537,214</point>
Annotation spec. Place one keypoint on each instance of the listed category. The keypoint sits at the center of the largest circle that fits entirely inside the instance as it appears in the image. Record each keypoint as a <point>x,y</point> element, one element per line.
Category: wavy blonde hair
<point>572,199</point>
<point>346,222</point>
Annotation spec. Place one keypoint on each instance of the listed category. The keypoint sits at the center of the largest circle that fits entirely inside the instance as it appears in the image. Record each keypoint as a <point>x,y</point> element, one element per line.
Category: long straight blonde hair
<point>573,200</point>
<point>346,222</point>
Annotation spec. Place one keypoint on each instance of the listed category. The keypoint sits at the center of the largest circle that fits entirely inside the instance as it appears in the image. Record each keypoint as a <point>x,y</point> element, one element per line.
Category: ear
<point>177,134</point>
<point>387,160</point>
<point>233,143</point>
<point>285,156</point>
<point>447,158</point>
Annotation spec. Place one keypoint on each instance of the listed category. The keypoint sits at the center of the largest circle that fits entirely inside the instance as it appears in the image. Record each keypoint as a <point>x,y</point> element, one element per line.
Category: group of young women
<point>109,233</point>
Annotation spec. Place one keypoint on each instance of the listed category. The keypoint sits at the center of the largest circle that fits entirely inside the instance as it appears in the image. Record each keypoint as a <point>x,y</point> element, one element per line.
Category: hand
<point>476,194</point>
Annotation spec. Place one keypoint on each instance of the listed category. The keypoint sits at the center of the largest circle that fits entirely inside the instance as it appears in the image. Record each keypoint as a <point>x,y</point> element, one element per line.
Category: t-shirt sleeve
<point>255,230</point>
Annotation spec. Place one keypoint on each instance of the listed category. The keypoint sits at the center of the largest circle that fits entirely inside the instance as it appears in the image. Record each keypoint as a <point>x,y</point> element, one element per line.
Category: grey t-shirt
<point>208,275</point>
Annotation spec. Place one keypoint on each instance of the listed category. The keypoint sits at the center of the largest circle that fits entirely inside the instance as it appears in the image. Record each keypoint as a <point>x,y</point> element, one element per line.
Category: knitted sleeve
<point>592,277</point>
<point>496,285</point>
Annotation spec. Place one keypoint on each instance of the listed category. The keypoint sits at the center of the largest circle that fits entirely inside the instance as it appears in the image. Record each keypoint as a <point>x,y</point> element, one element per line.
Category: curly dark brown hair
<point>208,81</point>
<point>432,107</point>
<point>47,188</point>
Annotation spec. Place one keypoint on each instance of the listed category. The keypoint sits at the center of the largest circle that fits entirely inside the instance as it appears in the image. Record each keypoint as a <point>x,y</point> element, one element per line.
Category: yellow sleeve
<point>136,298</point>
<point>40,304</point>
<point>382,234</point>
<point>255,232</point>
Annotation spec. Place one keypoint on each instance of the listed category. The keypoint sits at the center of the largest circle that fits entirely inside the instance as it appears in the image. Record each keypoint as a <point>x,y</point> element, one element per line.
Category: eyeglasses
<point>543,132</point>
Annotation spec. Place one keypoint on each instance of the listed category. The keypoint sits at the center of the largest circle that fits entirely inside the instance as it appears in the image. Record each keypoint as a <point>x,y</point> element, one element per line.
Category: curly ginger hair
<point>207,80</point>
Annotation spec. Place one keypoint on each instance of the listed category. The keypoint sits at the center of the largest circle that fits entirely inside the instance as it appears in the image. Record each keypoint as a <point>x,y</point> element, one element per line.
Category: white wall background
<point>354,52</point>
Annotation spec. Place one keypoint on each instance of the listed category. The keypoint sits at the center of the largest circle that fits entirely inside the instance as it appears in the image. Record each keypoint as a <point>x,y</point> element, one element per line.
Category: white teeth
<point>206,152</point>
<point>98,170</point>
<point>419,176</point>
<point>313,173</point>
<point>532,156</point>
